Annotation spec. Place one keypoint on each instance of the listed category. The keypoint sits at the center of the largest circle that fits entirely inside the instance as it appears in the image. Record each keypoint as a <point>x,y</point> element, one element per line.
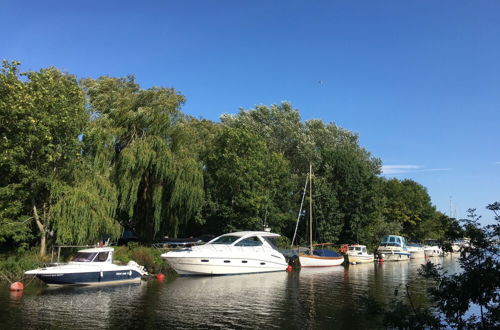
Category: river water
<point>322,298</point>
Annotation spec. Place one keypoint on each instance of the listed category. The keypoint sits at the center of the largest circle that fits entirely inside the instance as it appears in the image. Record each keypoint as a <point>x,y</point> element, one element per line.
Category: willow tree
<point>157,174</point>
<point>42,115</point>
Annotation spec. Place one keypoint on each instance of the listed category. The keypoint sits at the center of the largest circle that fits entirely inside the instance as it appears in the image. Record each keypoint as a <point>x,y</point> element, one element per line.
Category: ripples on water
<point>306,299</point>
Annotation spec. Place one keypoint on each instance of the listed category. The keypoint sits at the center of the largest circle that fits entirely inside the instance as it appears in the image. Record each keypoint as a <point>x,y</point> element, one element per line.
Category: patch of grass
<point>148,257</point>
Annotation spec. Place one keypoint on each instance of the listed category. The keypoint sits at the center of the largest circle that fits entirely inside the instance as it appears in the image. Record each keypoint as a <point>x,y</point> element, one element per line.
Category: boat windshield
<point>392,241</point>
<point>226,239</point>
<point>271,241</point>
<point>84,257</point>
<point>249,241</point>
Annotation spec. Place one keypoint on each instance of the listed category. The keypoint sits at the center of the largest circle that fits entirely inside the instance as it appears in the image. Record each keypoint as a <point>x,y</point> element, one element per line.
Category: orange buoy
<point>160,277</point>
<point>16,286</point>
<point>289,268</point>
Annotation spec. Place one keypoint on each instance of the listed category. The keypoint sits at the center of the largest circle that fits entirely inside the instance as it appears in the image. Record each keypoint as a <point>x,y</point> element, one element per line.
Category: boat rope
<point>300,212</point>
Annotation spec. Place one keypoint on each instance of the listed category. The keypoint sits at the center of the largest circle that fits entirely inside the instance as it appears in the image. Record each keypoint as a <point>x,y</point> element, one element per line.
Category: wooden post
<point>58,253</point>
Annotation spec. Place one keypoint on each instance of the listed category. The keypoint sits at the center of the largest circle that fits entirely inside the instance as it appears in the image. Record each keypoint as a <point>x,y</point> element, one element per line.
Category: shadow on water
<point>306,299</point>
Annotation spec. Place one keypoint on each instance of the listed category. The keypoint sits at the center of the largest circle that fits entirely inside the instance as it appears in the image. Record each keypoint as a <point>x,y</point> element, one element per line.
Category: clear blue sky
<point>418,80</point>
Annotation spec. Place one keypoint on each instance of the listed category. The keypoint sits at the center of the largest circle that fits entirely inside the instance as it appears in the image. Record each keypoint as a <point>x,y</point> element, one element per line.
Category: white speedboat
<point>432,249</point>
<point>234,253</point>
<point>416,251</point>
<point>393,248</point>
<point>90,266</point>
<point>357,254</point>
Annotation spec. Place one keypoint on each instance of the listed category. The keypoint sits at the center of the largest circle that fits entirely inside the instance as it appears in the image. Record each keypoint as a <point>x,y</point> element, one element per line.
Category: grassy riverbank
<point>13,264</point>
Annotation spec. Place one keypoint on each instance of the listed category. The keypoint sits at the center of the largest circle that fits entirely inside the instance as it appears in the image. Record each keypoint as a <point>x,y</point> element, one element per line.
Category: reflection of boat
<point>320,257</point>
<point>432,249</point>
<point>416,250</point>
<point>393,248</point>
<point>90,266</point>
<point>357,254</point>
<point>234,253</point>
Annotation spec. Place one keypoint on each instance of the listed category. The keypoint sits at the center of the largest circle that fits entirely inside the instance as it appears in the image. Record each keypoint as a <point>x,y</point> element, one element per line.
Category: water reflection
<point>309,298</point>
<point>225,301</point>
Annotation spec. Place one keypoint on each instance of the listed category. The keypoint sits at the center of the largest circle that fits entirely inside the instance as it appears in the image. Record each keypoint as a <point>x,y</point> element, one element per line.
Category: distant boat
<point>357,254</point>
<point>393,248</point>
<point>432,249</point>
<point>319,257</point>
<point>90,267</point>
<point>416,250</point>
<point>234,253</point>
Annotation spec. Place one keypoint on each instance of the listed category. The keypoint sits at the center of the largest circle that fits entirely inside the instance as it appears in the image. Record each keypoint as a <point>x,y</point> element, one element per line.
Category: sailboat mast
<point>310,208</point>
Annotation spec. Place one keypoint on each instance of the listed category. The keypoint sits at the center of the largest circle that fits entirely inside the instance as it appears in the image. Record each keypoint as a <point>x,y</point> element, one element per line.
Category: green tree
<point>143,134</point>
<point>244,184</point>
<point>408,203</point>
<point>42,115</point>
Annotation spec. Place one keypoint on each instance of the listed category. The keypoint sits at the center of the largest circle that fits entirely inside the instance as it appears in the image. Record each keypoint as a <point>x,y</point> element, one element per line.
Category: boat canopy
<point>393,240</point>
<point>326,253</point>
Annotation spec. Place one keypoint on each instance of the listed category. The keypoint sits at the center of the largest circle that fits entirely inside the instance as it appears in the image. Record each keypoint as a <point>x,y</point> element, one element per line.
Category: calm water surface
<point>306,299</point>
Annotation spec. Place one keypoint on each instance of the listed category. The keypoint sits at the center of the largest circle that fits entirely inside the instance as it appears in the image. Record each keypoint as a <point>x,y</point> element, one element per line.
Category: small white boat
<point>234,253</point>
<point>90,267</point>
<point>416,251</point>
<point>431,249</point>
<point>393,248</point>
<point>357,254</point>
<point>321,258</point>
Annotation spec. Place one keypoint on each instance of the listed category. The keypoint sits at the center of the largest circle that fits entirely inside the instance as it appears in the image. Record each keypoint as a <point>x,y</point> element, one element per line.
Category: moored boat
<point>90,267</point>
<point>393,248</point>
<point>357,254</point>
<point>321,257</point>
<point>234,253</point>
<point>432,249</point>
<point>416,250</point>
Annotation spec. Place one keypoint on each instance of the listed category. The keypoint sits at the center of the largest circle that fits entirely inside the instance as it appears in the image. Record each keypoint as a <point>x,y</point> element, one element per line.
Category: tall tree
<point>158,175</point>
<point>42,115</point>
<point>245,183</point>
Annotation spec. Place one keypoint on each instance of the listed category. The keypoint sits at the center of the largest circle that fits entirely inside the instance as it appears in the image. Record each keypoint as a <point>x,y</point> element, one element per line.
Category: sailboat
<point>316,257</point>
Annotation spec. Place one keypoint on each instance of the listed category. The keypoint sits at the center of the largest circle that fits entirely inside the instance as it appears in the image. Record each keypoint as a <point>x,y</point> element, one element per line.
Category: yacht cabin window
<point>229,239</point>
<point>249,241</point>
<point>102,257</point>
<point>84,257</point>
<point>364,250</point>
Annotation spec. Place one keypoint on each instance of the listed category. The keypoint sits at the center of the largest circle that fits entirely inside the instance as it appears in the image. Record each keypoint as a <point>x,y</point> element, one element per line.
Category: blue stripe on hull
<point>89,277</point>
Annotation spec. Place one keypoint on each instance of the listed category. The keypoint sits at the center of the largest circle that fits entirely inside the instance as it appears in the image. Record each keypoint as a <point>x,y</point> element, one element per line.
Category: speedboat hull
<point>90,278</point>
<point>223,266</point>
<point>318,261</point>
<point>76,273</point>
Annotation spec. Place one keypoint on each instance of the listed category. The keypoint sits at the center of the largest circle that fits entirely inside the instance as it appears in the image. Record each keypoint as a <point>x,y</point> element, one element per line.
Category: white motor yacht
<point>393,248</point>
<point>234,253</point>
<point>432,249</point>
<point>416,251</point>
<point>357,254</point>
<point>90,266</point>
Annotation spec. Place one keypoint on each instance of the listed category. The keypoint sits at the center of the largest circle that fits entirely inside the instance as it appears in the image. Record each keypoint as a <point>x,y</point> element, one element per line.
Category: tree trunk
<point>43,232</point>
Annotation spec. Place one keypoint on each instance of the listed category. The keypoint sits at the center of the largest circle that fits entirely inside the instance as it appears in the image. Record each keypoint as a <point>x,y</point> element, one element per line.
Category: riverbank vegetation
<point>85,159</point>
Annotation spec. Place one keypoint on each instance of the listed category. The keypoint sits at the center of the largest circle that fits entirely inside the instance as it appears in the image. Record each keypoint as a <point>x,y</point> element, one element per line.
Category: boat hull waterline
<point>317,261</point>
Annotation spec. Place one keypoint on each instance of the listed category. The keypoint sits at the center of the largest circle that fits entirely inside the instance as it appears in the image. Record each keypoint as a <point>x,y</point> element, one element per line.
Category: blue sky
<point>418,80</point>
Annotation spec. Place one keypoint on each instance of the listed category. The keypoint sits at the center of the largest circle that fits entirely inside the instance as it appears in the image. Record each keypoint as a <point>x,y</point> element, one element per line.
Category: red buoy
<point>16,286</point>
<point>289,268</point>
<point>160,277</point>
